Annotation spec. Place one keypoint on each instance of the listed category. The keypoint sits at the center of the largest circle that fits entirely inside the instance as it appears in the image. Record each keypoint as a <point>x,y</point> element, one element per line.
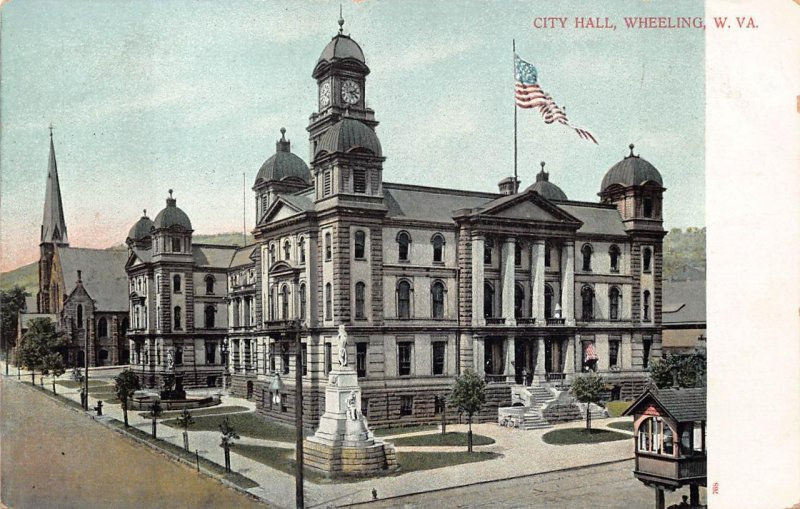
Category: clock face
<point>351,92</point>
<point>325,94</point>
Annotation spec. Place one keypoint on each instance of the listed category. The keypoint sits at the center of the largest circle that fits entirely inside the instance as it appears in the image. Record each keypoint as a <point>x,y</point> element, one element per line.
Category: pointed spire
<point>54,227</point>
<point>341,20</point>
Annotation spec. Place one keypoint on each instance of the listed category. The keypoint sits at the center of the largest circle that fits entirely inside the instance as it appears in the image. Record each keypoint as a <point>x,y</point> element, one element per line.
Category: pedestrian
<point>374,494</point>
<point>684,502</point>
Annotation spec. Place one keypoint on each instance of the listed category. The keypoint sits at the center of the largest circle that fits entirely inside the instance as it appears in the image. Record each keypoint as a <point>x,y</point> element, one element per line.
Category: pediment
<point>527,206</point>
<point>278,211</point>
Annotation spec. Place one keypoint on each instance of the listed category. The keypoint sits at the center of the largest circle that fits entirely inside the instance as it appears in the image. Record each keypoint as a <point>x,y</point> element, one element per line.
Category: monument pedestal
<point>343,443</point>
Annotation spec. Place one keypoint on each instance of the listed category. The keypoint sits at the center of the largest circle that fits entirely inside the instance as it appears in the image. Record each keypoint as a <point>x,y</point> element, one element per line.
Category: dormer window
<point>176,244</point>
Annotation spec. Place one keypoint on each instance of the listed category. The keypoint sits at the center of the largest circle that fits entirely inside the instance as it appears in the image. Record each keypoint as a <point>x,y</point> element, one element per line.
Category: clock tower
<point>341,73</point>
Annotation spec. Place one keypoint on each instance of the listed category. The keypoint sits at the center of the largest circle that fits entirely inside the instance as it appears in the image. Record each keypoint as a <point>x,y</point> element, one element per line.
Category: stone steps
<point>534,420</point>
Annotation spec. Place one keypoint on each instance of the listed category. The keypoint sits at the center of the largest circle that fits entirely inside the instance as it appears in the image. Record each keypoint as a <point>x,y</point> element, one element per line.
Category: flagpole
<point>514,63</point>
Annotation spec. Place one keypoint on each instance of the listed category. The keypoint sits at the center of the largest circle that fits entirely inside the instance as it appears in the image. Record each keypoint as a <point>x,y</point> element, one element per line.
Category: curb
<point>170,455</point>
<point>479,483</point>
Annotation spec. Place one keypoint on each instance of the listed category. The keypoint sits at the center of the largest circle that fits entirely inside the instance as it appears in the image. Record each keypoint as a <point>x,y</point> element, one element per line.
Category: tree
<point>587,389</point>
<point>155,412</point>
<point>125,385</point>
<point>11,303</point>
<point>228,436</point>
<point>185,420</point>
<point>36,345</point>
<point>690,370</point>
<point>54,366</point>
<point>468,396</point>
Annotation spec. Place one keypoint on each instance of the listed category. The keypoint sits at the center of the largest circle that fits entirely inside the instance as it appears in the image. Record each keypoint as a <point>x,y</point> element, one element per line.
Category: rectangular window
<point>304,358</point>
<point>406,405</point>
<point>359,180</point>
<point>439,357</point>
<point>613,353</point>
<point>361,359</point>
<point>176,245</point>
<point>328,358</point>
<point>327,184</point>
<point>404,359</point>
<point>646,344</point>
<point>211,353</point>
<point>328,302</point>
<point>178,355</point>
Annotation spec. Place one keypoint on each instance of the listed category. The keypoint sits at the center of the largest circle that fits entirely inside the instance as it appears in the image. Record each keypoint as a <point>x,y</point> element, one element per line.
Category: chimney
<point>508,186</point>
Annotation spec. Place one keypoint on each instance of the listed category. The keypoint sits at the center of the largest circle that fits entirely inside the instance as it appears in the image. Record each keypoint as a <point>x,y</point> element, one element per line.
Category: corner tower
<point>53,235</point>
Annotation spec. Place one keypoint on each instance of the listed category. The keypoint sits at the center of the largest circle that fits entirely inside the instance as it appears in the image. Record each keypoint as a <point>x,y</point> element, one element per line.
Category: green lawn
<point>283,460</point>
<point>385,432</point>
<point>451,438</point>
<point>234,477</point>
<point>581,436</point>
<point>615,408</point>
<point>626,425</point>
<point>72,384</point>
<point>247,425</point>
<point>198,412</point>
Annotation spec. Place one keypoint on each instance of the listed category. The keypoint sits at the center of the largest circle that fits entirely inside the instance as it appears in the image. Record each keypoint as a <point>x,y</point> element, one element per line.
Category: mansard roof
<point>102,273</point>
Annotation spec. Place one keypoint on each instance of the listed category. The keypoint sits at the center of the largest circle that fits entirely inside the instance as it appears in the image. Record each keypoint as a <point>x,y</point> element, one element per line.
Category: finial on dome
<point>144,212</point>
<point>542,175</point>
<point>631,154</point>
<point>283,134</point>
<point>170,193</point>
<point>341,20</point>
<point>542,165</point>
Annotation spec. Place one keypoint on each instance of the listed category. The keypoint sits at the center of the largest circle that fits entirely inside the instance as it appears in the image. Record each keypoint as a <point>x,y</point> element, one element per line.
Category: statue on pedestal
<point>352,411</point>
<point>342,343</point>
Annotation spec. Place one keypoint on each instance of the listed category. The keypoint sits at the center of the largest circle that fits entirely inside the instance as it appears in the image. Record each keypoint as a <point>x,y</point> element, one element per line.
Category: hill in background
<point>682,248</point>
<point>27,276</point>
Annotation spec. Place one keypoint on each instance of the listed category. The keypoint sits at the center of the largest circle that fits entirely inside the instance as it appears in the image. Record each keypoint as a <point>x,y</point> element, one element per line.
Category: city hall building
<point>520,286</point>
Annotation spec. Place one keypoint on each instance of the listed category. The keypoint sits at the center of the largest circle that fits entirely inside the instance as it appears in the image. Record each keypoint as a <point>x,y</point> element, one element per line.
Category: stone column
<point>507,276</point>
<point>539,371</point>
<point>568,282</point>
<point>569,358</point>
<point>478,243</point>
<point>508,370</point>
<point>478,355</point>
<point>537,281</point>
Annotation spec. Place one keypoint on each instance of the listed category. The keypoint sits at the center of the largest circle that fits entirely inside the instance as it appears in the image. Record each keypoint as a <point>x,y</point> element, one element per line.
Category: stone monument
<point>343,443</point>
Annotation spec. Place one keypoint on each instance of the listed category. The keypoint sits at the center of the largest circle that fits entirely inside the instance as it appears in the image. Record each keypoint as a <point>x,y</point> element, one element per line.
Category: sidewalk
<point>523,453</point>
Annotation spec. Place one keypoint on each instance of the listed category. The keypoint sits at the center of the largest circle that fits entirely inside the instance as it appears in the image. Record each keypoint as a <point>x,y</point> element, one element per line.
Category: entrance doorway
<point>249,389</point>
<point>553,356</point>
<point>524,360</point>
<point>493,362</point>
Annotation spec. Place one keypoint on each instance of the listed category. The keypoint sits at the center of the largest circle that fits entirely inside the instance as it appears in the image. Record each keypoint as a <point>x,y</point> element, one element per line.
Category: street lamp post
<point>298,414</point>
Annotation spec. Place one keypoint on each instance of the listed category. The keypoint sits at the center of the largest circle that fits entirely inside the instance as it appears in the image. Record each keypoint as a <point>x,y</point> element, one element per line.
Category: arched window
<point>488,300</point>
<point>437,299</point>
<point>519,301</point>
<point>547,249</point>
<point>587,303</point>
<point>285,303</point>
<point>360,241</point>
<point>403,244</point>
<point>303,301</point>
<point>613,254</point>
<point>517,254</point>
<point>209,284</point>
<point>210,315</point>
<point>613,303</point>
<point>272,254</point>
<point>176,284</point>
<point>301,247</point>
<point>286,250</point>
<point>586,251</point>
<point>548,301</point>
<point>80,316</point>
<point>646,306</point>
<point>176,318</point>
<point>404,299</point>
<point>488,246</point>
<point>655,436</point>
<point>361,289</point>
<point>438,248</point>
<point>102,328</point>
<point>647,255</point>
<point>328,302</point>
<point>328,248</point>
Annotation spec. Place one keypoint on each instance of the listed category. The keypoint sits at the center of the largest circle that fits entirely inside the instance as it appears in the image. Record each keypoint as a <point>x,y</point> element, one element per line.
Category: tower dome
<point>341,46</point>
<point>141,230</point>
<point>171,216</point>
<point>349,135</point>
<point>283,164</point>
<point>545,188</point>
<point>631,171</point>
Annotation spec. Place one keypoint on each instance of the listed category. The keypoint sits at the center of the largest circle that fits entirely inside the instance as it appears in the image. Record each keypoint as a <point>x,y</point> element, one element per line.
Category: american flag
<point>529,94</point>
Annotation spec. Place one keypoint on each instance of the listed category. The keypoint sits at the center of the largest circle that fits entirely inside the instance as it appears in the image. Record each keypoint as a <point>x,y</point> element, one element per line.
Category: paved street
<point>602,487</point>
<point>55,457</point>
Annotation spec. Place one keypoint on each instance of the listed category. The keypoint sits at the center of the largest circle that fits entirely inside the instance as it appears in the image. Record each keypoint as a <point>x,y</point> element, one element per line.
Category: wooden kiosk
<point>670,440</point>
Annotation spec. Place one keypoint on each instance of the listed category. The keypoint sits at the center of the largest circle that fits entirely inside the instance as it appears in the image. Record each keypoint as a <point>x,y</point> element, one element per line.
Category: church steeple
<point>54,227</point>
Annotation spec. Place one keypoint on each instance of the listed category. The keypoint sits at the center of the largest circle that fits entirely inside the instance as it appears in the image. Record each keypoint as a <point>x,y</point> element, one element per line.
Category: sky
<point>148,96</point>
